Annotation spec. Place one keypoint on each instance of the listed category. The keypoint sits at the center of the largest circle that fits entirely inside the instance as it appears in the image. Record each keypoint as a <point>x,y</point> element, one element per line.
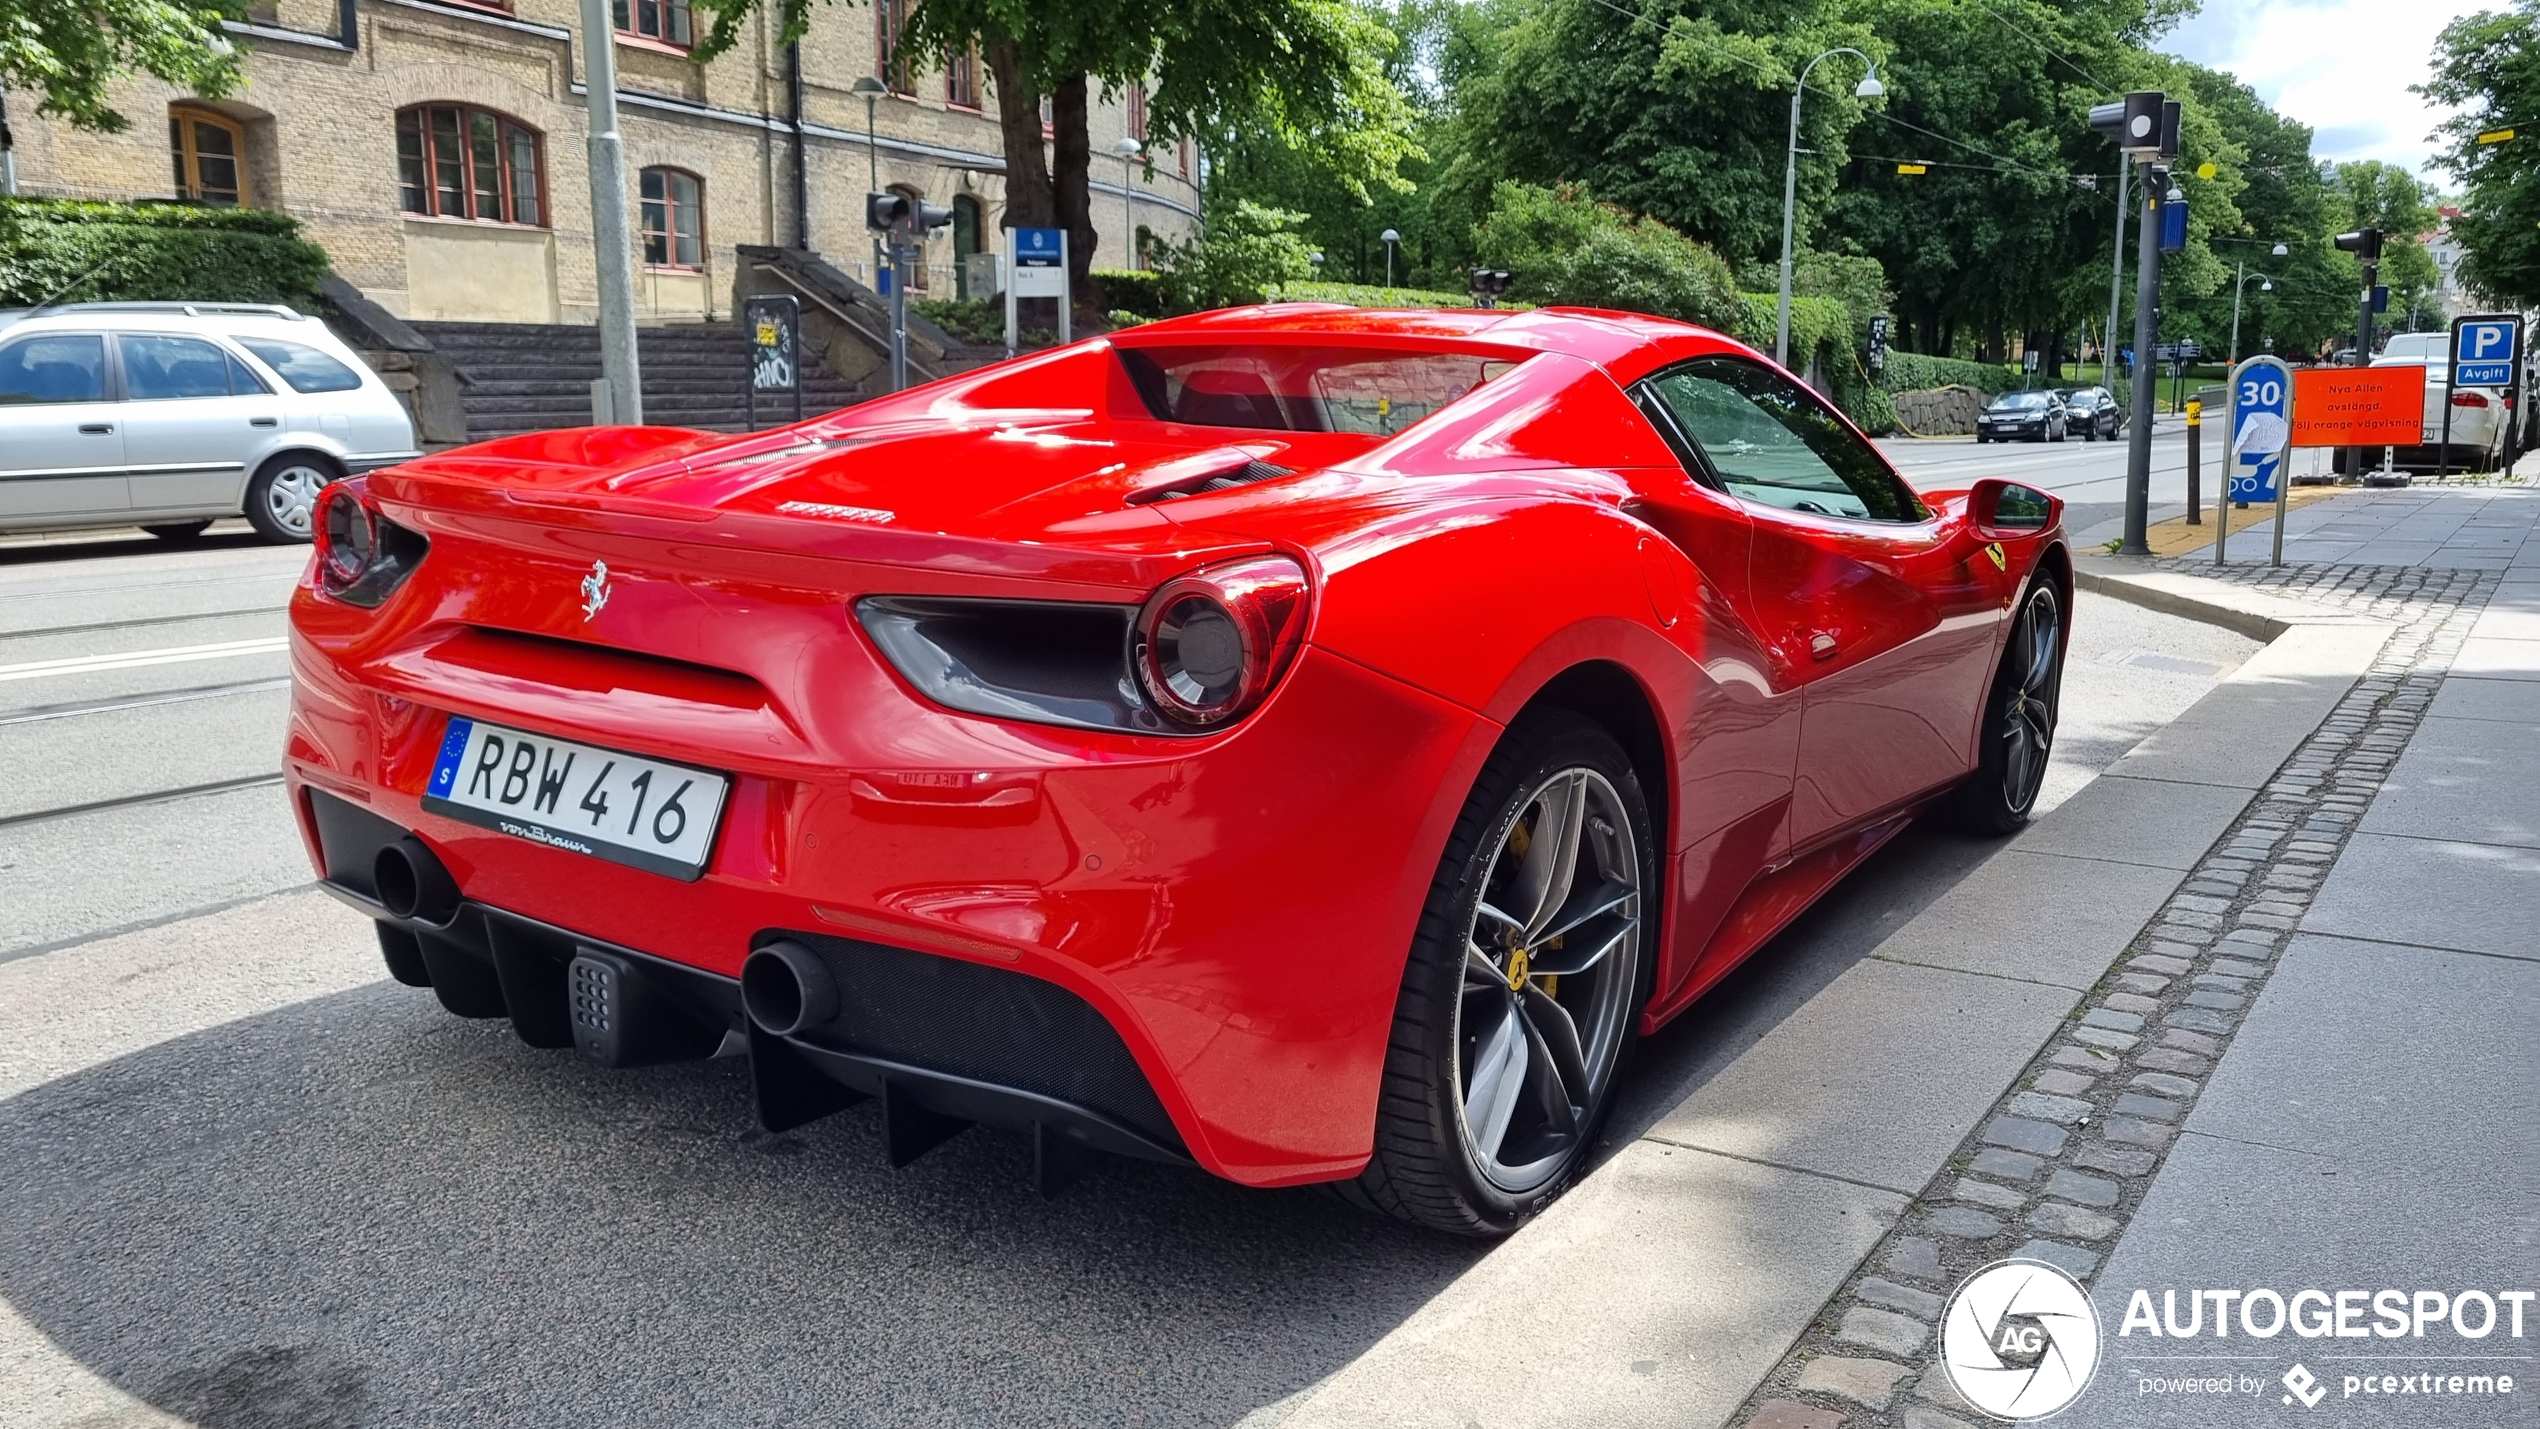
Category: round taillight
<point>348,536</point>
<point>1210,645</point>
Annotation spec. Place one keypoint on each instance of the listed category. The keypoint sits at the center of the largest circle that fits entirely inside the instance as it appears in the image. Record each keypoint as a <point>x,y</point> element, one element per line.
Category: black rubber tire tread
<point>1977,806</point>
<point>1417,1171</point>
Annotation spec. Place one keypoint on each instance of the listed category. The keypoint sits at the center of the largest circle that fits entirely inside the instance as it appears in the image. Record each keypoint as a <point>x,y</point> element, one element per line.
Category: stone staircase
<point>530,377</point>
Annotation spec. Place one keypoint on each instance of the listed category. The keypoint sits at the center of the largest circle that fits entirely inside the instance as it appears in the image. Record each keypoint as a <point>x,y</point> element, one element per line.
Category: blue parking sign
<point>2261,428</point>
<point>2486,348</point>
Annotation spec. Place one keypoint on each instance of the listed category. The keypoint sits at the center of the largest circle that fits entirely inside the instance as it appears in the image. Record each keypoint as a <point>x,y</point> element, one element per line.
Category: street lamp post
<point>1390,238</point>
<point>1128,149</point>
<point>871,90</point>
<point>1868,88</point>
<point>2236,286</point>
<point>614,255</point>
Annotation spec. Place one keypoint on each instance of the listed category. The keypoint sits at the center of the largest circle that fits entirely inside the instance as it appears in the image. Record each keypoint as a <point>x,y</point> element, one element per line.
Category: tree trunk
<point>1029,200</point>
<point>1071,178</point>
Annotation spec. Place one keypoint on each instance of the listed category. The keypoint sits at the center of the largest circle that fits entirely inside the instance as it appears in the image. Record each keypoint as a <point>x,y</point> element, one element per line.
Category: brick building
<point>437,150</point>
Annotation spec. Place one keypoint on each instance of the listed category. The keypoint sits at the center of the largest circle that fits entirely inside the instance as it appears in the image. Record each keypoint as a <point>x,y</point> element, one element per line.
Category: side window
<point>1767,440</point>
<point>304,367</point>
<point>243,378</point>
<point>158,368</point>
<point>58,367</point>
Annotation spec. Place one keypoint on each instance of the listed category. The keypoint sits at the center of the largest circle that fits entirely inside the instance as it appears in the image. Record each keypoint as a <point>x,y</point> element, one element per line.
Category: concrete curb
<point>1668,1286</point>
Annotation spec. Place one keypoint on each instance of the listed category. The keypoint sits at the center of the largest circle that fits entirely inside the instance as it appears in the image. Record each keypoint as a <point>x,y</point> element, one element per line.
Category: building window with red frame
<point>666,21</point>
<point>674,220</point>
<point>1138,112</point>
<point>890,19</point>
<point>961,79</point>
<point>1186,160</point>
<point>459,161</point>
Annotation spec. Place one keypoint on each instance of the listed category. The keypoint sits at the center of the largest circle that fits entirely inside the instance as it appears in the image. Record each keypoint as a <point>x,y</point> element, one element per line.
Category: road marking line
<point>172,655</point>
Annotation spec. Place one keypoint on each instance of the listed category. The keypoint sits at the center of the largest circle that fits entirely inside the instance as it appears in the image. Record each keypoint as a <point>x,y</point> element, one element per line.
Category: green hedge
<point>153,251</point>
<point>1918,372</point>
<point>1132,290</point>
<point>1371,295</point>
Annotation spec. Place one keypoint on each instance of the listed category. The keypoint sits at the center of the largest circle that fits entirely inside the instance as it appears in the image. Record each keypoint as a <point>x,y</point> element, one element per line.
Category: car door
<point>1881,614</point>
<point>61,447</point>
<point>192,415</point>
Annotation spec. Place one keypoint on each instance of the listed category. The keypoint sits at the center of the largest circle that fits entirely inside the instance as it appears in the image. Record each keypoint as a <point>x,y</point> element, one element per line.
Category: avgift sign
<point>2358,406</point>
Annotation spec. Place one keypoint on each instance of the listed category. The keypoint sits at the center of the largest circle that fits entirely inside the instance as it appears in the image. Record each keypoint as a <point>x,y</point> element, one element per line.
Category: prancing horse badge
<point>595,588</point>
<point>2000,562</point>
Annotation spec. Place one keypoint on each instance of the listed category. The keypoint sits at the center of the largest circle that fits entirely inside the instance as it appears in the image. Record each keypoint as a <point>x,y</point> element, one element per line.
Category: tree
<point>1671,108</point>
<point>70,50</point>
<point>1561,246</point>
<point>2488,64</point>
<point>1304,70</point>
<point>2284,197</point>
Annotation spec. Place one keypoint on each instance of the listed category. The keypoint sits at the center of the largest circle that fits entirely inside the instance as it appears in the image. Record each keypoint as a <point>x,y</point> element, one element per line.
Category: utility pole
<point>2365,244</point>
<point>2116,276</point>
<point>2145,127</point>
<point>611,253</point>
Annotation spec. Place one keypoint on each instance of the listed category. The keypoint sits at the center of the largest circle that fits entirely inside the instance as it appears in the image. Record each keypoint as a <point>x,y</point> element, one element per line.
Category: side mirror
<point>1998,509</point>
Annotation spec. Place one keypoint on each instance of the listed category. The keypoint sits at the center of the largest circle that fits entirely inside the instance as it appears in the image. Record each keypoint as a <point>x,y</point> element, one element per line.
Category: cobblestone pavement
<point>2058,1167</point>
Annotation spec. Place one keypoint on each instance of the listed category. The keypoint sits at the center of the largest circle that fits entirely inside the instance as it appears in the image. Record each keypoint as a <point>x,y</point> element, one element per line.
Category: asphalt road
<point>244,1180</point>
<point>2090,476</point>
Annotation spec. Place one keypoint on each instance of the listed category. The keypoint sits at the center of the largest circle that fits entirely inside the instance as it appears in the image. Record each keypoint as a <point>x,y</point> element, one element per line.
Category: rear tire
<point>1494,1089</point>
<point>2019,721</point>
<point>282,499</point>
<point>178,531</point>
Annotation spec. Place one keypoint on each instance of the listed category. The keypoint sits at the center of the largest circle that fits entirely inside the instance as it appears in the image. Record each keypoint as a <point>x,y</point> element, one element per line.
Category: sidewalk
<point>2315,1070</point>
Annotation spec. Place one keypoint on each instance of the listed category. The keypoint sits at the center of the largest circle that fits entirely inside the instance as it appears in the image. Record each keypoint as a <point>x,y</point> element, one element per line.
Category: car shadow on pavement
<point>1916,869</point>
<point>359,1210</point>
<point>86,546</point>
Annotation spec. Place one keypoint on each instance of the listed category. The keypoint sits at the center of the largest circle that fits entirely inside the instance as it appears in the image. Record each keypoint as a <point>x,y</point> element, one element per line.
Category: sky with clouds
<point>2341,66</point>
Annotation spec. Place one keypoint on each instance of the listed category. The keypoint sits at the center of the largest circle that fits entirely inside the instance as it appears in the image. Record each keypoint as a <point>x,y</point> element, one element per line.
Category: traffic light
<point>2141,123</point>
<point>895,212</point>
<point>1487,284</point>
<point>2364,244</point>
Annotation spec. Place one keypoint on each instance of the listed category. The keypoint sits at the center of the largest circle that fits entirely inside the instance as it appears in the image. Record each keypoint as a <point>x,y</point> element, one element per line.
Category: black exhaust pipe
<point>412,884</point>
<point>787,989</point>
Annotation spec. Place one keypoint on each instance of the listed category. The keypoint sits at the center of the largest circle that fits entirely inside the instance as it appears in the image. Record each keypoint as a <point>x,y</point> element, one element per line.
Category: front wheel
<point>1524,985</point>
<point>2019,721</point>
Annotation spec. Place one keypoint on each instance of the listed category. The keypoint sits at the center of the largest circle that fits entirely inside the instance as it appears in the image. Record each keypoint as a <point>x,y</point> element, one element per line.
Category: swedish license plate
<point>644,813</point>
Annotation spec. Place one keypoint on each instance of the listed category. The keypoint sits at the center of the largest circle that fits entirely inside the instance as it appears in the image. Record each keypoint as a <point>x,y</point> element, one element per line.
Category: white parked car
<point>167,416</point>
<point>2479,416</point>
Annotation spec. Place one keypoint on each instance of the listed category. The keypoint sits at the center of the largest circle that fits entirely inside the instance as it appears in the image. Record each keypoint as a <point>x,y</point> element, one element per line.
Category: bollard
<point>2195,473</point>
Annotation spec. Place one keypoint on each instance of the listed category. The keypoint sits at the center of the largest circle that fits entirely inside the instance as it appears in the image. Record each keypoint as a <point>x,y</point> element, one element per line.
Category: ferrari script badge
<point>595,590</point>
<point>2000,562</point>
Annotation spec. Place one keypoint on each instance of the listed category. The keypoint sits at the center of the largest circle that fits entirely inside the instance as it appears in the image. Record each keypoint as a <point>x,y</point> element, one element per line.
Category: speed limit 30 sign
<point>2261,427</point>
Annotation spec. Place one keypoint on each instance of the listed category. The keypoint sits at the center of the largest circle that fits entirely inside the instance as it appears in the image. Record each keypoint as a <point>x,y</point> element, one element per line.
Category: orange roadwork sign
<point>2358,406</point>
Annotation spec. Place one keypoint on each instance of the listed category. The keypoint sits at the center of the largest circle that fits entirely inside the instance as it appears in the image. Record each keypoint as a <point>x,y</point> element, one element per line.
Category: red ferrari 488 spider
<point>1305,743</point>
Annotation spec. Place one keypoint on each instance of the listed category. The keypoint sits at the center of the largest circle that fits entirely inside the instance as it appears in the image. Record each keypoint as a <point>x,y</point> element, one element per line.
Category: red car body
<point>1235,904</point>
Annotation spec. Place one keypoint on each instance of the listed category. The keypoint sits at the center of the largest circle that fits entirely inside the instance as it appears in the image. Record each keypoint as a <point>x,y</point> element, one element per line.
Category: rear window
<point>304,367</point>
<point>1370,391</point>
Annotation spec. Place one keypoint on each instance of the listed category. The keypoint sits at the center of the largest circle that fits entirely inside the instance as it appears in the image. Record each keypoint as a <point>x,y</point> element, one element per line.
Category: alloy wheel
<point>1551,959</point>
<point>2029,692</point>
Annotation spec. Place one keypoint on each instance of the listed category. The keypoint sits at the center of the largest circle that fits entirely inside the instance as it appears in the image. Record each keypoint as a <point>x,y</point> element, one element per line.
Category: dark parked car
<point>2092,412</point>
<point>2023,417</point>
